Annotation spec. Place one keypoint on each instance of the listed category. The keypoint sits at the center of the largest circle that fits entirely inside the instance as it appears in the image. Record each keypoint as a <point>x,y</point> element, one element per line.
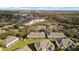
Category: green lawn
<point>22,43</point>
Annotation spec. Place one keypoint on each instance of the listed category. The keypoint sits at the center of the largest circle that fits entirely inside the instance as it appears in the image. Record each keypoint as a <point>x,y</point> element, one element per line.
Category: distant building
<point>10,40</point>
<point>40,27</point>
<point>45,45</point>
<point>60,27</point>
<point>53,27</point>
<point>36,35</point>
<point>21,27</point>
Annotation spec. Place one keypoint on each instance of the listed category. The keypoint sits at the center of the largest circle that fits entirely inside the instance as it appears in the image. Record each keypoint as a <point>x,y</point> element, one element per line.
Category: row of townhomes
<point>44,46</point>
<point>9,41</point>
<point>61,40</point>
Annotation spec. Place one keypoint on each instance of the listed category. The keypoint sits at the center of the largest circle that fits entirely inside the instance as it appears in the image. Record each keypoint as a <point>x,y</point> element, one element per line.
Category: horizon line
<point>39,8</point>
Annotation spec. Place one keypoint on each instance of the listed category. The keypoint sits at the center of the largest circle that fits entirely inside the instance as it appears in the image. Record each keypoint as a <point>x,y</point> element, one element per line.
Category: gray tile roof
<point>9,39</point>
<point>64,42</point>
<point>44,46</point>
<point>56,34</point>
<point>36,35</point>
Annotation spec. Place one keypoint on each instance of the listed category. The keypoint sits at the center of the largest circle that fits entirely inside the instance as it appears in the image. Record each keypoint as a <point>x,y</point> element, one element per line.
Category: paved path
<point>25,48</point>
<point>34,21</point>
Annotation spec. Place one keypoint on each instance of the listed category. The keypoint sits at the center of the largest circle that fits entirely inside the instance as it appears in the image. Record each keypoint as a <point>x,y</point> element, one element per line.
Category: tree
<point>3,35</point>
<point>0,42</point>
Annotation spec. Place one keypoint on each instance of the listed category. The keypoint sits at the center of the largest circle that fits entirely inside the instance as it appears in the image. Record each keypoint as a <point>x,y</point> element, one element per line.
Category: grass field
<point>22,43</point>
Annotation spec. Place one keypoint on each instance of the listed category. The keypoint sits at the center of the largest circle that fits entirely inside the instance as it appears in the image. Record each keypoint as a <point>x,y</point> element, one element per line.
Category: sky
<point>55,4</point>
<point>39,3</point>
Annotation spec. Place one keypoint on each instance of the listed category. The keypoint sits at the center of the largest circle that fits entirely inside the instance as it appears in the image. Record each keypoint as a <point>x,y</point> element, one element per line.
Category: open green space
<point>22,43</point>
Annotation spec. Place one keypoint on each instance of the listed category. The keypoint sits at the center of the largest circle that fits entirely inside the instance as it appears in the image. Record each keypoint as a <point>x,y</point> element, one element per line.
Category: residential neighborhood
<point>39,31</point>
